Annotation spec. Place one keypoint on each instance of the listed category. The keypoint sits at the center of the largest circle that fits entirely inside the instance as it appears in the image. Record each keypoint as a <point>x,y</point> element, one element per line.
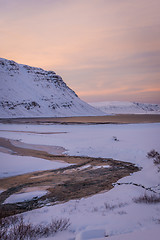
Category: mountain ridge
<point>119,107</point>
<point>28,91</point>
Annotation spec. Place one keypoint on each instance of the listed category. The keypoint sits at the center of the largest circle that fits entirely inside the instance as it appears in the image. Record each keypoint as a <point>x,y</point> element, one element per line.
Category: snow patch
<point>91,234</point>
<point>21,197</point>
<point>12,165</point>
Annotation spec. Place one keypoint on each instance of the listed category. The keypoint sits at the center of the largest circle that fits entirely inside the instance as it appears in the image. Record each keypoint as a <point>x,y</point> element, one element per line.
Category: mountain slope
<point>115,107</point>
<point>33,92</point>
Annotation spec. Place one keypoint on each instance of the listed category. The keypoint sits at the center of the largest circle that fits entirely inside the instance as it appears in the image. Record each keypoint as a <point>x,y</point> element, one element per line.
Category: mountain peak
<point>28,91</point>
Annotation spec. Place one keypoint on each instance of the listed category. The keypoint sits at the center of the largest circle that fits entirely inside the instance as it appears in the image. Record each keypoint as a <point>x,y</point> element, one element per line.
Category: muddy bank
<point>91,176</point>
<point>87,176</point>
<point>24,149</point>
<point>32,132</point>
<point>116,119</point>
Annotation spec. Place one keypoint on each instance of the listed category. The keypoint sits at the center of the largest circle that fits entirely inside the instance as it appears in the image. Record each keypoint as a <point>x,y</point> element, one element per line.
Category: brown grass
<point>14,228</point>
<point>148,199</point>
<point>155,156</point>
<point>64,184</point>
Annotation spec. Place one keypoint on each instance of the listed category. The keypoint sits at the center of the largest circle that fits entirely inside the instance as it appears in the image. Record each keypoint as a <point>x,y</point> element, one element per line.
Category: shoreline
<point>107,119</point>
<point>86,176</point>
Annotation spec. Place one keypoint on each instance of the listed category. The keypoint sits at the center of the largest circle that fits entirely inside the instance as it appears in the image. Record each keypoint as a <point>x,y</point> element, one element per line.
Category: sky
<point>105,50</point>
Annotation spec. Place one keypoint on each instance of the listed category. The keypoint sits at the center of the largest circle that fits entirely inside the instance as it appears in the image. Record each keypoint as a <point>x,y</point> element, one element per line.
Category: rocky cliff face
<point>33,92</point>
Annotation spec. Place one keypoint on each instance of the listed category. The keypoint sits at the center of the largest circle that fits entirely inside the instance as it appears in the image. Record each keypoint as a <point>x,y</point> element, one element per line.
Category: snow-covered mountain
<point>33,92</point>
<point>115,107</point>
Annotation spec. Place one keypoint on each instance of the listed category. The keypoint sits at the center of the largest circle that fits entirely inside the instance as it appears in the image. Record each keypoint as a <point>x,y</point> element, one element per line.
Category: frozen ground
<point>12,165</point>
<point>113,213</point>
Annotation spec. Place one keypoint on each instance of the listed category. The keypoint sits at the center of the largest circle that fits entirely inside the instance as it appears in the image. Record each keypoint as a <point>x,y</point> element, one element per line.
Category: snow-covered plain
<point>92,140</point>
<point>113,213</point>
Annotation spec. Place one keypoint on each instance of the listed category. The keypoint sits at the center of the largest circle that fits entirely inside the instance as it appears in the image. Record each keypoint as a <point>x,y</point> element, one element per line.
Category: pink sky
<point>103,49</point>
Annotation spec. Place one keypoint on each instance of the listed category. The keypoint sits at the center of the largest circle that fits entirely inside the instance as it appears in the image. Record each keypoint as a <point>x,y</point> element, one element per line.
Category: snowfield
<point>112,215</point>
<point>135,140</point>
